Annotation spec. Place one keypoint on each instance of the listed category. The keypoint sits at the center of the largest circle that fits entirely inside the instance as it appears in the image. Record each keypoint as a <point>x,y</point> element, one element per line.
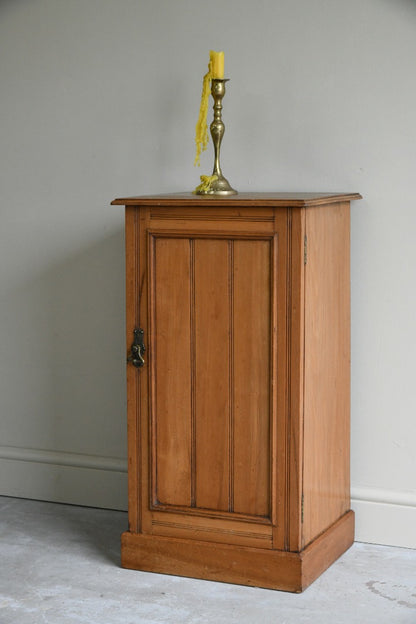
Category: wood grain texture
<point>279,361</point>
<point>145,396</point>
<point>238,423</point>
<point>251,376</point>
<point>133,382</point>
<point>226,531</point>
<point>327,548</point>
<point>171,371</point>
<point>326,484</point>
<point>212,561</point>
<point>295,379</point>
<point>212,377</point>
<point>184,216</point>
<point>242,199</point>
<point>271,569</point>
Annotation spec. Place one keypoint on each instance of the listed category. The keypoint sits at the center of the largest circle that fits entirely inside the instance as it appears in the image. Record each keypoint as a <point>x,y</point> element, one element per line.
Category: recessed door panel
<point>171,379</point>
<point>211,409</point>
<point>251,376</point>
<point>212,326</point>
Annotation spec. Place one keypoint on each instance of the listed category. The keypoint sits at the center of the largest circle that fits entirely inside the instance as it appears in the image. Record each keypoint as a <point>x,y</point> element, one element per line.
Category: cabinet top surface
<point>241,199</point>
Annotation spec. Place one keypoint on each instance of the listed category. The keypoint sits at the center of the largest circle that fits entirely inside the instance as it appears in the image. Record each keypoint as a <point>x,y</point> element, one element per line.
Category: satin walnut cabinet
<point>238,337</point>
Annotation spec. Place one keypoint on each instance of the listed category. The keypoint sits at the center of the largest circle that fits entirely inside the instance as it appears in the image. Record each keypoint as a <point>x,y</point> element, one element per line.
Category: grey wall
<point>99,98</point>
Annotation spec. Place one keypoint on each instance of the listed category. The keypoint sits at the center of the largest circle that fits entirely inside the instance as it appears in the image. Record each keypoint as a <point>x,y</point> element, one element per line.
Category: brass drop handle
<point>137,349</point>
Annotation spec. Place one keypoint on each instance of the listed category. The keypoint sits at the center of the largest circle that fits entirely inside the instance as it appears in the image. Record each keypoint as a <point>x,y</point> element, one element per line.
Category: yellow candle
<point>217,61</point>
<point>215,70</point>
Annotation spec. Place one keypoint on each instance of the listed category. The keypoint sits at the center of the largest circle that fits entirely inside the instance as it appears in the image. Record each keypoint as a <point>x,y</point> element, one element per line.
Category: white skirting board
<point>382,516</point>
<point>63,477</point>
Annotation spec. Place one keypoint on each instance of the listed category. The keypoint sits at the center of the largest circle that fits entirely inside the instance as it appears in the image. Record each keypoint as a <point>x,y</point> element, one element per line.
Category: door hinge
<point>305,249</point>
<point>301,510</point>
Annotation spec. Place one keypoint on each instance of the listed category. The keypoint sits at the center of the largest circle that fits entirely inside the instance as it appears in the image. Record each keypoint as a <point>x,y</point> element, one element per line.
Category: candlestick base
<point>221,186</point>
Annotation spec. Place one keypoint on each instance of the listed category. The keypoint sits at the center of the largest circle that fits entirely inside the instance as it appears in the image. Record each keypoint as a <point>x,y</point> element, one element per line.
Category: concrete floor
<point>60,564</point>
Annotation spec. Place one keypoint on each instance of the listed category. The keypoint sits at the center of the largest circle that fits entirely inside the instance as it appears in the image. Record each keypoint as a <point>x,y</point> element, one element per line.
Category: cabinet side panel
<point>212,374</point>
<point>171,426</point>
<point>133,382</point>
<point>326,481</point>
<point>252,346</point>
<point>293,434</point>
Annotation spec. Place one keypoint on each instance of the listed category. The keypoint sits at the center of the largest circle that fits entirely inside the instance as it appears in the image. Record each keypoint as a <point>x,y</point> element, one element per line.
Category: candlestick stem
<point>220,186</point>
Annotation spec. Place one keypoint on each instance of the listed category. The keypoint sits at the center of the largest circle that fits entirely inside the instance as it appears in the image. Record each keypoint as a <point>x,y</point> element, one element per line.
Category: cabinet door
<point>209,417</point>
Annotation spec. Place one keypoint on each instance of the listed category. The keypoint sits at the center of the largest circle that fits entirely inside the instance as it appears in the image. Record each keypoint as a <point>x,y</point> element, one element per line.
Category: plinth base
<point>271,569</point>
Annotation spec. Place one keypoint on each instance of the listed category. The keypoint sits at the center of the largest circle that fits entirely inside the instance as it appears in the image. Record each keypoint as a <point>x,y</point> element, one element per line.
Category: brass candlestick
<point>219,186</point>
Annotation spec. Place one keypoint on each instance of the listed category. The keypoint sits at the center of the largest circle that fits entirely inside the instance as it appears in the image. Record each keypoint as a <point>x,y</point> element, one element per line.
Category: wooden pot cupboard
<point>238,336</point>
